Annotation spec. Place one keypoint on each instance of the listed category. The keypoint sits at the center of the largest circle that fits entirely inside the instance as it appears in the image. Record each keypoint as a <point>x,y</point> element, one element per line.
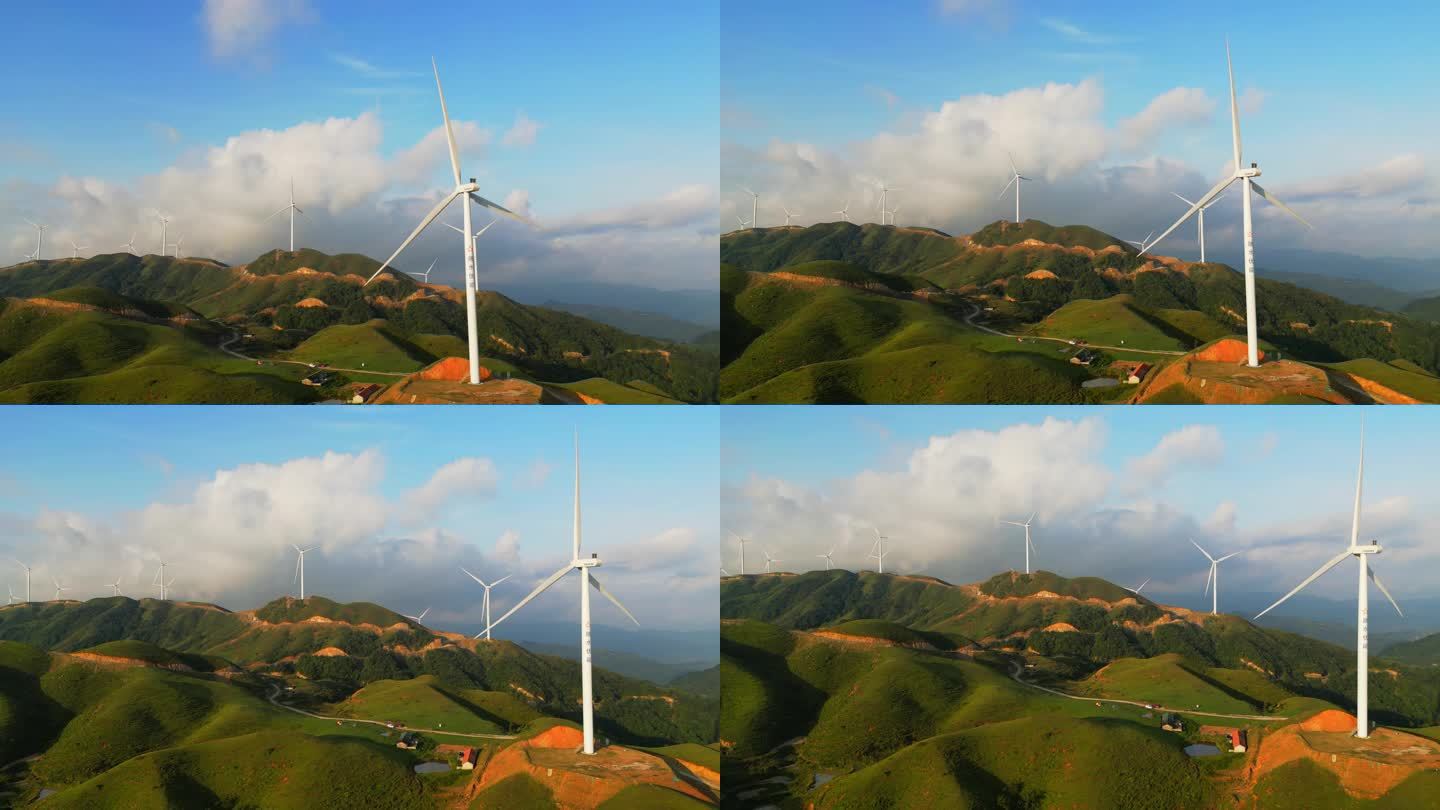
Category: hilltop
<point>285,310</point>
<point>884,314</point>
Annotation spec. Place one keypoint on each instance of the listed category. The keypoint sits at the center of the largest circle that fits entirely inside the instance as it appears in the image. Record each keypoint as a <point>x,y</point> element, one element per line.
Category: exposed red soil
<point>1367,769</point>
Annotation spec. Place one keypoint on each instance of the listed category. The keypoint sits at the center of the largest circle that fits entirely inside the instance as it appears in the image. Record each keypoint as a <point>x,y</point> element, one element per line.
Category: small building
<point>364,393</point>
<point>1138,373</point>
<point>1084,357</point>
<point>1172,722</point>
<point>468,758</point>
<point>1238,740</point>
<point>408,741</point>
<point>319,378</point>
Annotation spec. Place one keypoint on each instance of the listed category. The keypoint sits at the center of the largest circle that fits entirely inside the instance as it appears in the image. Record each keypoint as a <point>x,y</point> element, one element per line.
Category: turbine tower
<point>115,587</point>
<point>1246,176</point>
<point>477,234</point>
<point>1028,545</point>
<point>27,578</point>
<point>743,541</point>
<point>1200,215</point>
<point>883,210</point>
<point>789,215</point>
<point>76,248</point>
<point>1362,602</point>
<point>829,563</point>
<point>487,587</point>
<point>164,221</point>
<point>39,241</point>
<point>130,246</point>
<point>1016,178</point>
<point>160,580</point>
<point>58,588</point>
<point>587,581</point>
<point>426,275</point>
<point>844,212</point>
<point>754,206</point>
<point>1213,578</point>
<point>468,191</point>
<point>769,560</point>
<point>293,209</point>
<point>300,568</point>
<point>878,551</point>
<point>179,240</point>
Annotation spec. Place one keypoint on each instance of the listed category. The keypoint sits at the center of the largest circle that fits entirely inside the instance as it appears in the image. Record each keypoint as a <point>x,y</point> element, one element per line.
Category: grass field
<point>615,393</point>
<point>1114,321</point>
<point>374,345</point>
<point>517,792</point>
<point>424,702</point>
<point>1302,785</point>
<point>1407,378</point>
<point>1170,681</point>
<point>650,797</point>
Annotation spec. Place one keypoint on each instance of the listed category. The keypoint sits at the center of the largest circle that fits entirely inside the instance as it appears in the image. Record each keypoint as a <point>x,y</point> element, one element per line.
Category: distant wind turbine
<point>878,551</point>
<point>421,617</point>
<point>1200,215</point>
<point>1138,588</point>
<point>1028,545</point>
<point>769,560</point>
<point>478,233</point>
<point>1362,600</point>
<point>1246,176</point>
<point>27,578</point>
<point>883,211</point>
<point>39,239</point>
<point>587,581</point>
<point>426,275</point>
<point>161,581</point>
<point>12,600</point>
<point>1213,579</point>
<point>754,206</point>
<point>467,190</point>
<point>293,209</point>
<point>1016,178</point>
<point>1141,244</point>
<point>180,240</point>
<point>487,586</point>
<point>300,567</point>
<point>844,212</point>
<point>723,572</point>
<point>58,588</point>
<point>789,215</point>
<point>829,563</point>
<point>743,224</point>
<point>892,212</point>
<point>164,221</point>
<point>130,246</point>
<point>743,541</point>
<point>115,587</point>
<point>77,249</point>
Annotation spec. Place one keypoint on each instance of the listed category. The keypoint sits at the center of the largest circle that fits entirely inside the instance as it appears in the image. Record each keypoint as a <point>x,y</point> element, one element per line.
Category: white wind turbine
<point>1246,176</point>
<point>12,600</point>
<point>844,212</point>
<point>426,275</point>
<point>293,209</point>
<point>77,249</point>
<point>789,215</point>
<point>878,551</point>
<point>742,541</point>
<point>39,238</point>
<point>892,212</point>
<point>829,563</point>
<point>723,572</point>
<point>58,588</point>
<point>1362,601</point>
<point>115,587</point>
<point>421,617</point>
<point>130,246</point>
<point>883,210</point>
<point>1142,243</point>
<point>487,586</point>
<point>27,578</point>
<point>478,233</point>
<point>1026,526</point>
<point>1213,579</point>
<point>1016,178</point>
<point>769,560</point>
<point>164,221</point>
<point>468,191</point>
<point>754,206</point>
<point>1138,588</point>
<point>161,581</point>
<point>176,245</point>
<point>300,567</point>
<point>743,223</point>
<point>587,581</point>
<point>1200,215</point>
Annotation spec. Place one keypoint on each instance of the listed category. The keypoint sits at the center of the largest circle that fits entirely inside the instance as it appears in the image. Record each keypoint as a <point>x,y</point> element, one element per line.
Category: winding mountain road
<point>275,693</point>
<point>1015,675</point>
<point>235,335</point>
<point>970,321</point>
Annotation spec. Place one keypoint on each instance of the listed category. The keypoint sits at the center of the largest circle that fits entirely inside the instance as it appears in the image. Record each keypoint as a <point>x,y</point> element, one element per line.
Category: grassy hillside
<point>880,248</point>
<point>1423,651</point>
<point>1005,232</point>
<point>289,609</point>
<point>372,345</point>
<point>1119,321</point>
<point>425,702</point>
<point>1407,378</point>
<point>851,274</point>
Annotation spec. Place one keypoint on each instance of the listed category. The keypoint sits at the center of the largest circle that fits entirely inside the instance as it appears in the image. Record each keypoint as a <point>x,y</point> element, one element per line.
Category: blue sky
<point>1119,492</point>
<point>223,492</point>
<point>1336,90</point>
<point>625,96</point>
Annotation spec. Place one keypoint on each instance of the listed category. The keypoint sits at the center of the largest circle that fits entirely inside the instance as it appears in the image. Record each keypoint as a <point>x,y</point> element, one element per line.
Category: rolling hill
<point>307,306</point>
<point>844,313</point>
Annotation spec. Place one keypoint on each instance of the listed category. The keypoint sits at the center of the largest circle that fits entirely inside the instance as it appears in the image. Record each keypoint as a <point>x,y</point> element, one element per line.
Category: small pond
<point>1100,382</point>
<point>432,767</point>
<point>1202,750</point>
<point>820,779</point>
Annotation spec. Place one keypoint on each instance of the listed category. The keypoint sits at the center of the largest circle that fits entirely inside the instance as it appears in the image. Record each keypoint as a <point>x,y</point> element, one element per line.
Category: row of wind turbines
<point>167,248</point>
<point>161,581</point>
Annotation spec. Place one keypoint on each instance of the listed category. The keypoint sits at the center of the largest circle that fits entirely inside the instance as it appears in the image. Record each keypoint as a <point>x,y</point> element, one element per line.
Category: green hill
<point>880,248</point>
<point>1422,651</point>
<point>425,702</point>
<point>1119,321</point>
<point>701,682</point>
<point>289,609</point>
<point>1004,233</point>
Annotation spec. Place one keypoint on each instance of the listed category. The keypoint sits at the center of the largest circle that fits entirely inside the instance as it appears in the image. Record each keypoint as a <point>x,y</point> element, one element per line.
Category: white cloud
<point>241,27</point>
<point>523,132</point>
<point>1178,107</point>
<point>1187,447</point>
<point>1400,173</point>
<point>1074,32</point>
<point>507,546</point>
<point>369,70</point>
<point>537,473</point>
<point>470,478</point>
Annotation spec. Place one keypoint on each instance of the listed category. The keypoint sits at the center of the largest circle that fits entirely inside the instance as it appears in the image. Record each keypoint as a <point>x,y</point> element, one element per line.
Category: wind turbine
<point>723,572</point>
<point>1016,178</point>
<point>844,212</point>
<point>829,563</point>
<point>587,581</point>
<point>1028,545</point>
<point>179,240</point>
<point>1214,577</point>
<point>161,581</point>
<point>477,234</point>
<point>115,587</point>
<point>292,208</point>
<point>1136,590</point>
<point>878,550</point>
<point>77,249</point>
<point>1362,601</point>
<point>1201,216</point>
<point>743,223</point>
<point>788,215</point>
<point>754,206</point>
<point>421,617</point>
<point>892,212</point>
<point>130,246</point>
<point>164,221</point>
<point>743,541</point>
<point>1141,244</point>
<point>1246,176</point>
<point>300,568</point>
<point>426,275</point>
<point>468,191</point>
<point>39,237</point>
<point>883,211</point>
<point>487,586</point>
<point>58,588</point>
<point>27,578</point>
<point>12,600</point>
<point>769,560</point>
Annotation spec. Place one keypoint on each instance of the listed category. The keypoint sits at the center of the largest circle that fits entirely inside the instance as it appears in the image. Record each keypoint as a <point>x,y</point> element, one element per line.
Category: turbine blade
<point>449,134</point>
<point>1195,206</point>
<point>1013,178</point>
<point>277,213</point>
<point>611,597</point>
<point>1208,577</point>
<point>1202,551</point>
<point>424,223</point>
<point>484,229</point>
<point>472,576</point>
<point>1011,158</point>
<point>1336,560</point>
<point>296,577</point>
<point>453,228</point>
<point>502,209</point>
<point>1234,106</point>
<point>1187,202</point>
<point>1359,486</point>
<point>1228,556</point>
<point>1275,201</point>
<point>1379,585</point>
<point>554,578</point>
<point>502,579</point>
